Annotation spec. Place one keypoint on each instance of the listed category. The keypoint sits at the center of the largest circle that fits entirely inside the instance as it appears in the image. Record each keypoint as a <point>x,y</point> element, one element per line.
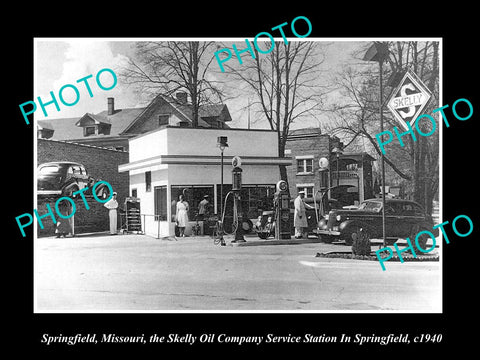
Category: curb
<point>349,255</point>
<point>275,242</point>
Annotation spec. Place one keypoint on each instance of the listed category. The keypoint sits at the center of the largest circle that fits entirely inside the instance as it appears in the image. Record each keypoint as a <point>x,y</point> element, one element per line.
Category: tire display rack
<point>132,219</point>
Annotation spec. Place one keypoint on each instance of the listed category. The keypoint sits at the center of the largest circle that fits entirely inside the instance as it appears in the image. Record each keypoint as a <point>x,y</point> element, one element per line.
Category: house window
<point>89,130</point>
<point>305,166</point>
<point>148,181</point>
<point>163,119</point>
<point>45,134</point>
<point>352,167</point>
<point>160,203</point>
<point>307,188</point>
<point>134,192</point>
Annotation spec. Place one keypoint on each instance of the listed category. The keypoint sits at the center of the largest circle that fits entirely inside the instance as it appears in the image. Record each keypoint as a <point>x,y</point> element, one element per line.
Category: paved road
<point>136,272</point>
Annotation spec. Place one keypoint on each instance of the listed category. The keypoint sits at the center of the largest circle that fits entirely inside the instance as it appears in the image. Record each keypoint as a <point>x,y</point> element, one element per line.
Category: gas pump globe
<point>282,213</point>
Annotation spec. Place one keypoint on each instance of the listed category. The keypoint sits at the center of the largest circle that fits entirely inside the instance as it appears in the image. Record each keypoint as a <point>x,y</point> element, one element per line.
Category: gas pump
<point>237,208</point>
<point>282,211</point>
<point>323,177</point>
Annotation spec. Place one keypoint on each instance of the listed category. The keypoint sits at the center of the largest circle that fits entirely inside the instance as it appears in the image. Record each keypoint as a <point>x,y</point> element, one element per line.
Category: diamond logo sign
<point>409,99</point>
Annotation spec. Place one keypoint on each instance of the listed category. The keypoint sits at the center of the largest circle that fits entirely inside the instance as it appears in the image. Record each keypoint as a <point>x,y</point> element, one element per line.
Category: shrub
<point>361,243</point>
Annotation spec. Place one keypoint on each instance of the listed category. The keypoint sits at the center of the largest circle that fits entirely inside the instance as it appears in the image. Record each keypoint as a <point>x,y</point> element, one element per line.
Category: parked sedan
<point>403,218</point>
<point>63,178</point>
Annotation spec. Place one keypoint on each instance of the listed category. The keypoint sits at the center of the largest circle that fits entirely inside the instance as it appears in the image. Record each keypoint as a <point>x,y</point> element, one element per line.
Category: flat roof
<point>200,128</point>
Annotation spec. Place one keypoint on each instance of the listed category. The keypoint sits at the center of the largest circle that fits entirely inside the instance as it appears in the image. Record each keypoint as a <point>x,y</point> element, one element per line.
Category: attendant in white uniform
<point>112,206</point>
<point>300,219</point>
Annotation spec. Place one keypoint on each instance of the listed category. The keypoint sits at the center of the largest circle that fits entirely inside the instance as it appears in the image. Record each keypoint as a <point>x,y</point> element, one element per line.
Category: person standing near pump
<point>203,211</point>
<point>112,206</point>
<point>203,208</point>
<point>181,217</point>
<point>300,219</point>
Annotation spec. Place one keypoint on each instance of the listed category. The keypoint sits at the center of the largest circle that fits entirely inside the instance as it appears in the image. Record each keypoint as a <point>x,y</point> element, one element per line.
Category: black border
<point>455,26</point>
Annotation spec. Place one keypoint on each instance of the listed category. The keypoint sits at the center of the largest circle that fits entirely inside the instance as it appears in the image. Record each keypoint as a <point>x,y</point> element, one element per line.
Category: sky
<point>61,62</point>
<point>64,61</point>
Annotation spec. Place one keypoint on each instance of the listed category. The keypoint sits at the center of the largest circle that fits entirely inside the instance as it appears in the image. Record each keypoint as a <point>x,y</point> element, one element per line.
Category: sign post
<point>379,52</point>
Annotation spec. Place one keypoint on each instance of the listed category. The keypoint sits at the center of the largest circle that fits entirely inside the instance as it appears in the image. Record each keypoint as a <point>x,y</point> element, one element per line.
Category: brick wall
<point>84,221</point>
<point>100,163</point>
<point>318,146</point>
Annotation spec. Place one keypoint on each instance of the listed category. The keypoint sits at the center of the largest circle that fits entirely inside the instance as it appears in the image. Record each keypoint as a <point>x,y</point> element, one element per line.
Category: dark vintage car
<point>403,218</point>
<point>62,178</point>
<point>310,212</point>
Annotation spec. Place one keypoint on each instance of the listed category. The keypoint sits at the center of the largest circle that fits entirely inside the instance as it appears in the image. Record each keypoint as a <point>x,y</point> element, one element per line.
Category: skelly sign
<point>408,100</point>
<point>407,103</point>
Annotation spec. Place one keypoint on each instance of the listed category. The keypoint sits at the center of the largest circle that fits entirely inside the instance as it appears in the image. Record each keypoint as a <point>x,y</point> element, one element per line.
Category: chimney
<point>182,97</point>
<point>110,106</point>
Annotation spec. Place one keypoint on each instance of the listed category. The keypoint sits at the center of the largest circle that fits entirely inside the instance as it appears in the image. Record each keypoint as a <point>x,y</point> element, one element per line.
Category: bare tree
<point>172,66</point>
<point>416,163</point>
<point>358,117</point>
<point>285,84</point>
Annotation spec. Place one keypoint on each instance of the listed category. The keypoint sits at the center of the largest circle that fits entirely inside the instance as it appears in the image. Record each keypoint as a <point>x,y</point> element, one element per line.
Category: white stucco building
<point>168,161</point>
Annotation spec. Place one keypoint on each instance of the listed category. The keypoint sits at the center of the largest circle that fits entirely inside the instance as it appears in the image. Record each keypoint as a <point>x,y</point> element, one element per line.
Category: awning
<point>202,160</point>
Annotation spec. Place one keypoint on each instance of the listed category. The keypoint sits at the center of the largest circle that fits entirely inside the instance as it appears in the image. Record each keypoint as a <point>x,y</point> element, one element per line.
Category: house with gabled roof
<point>168,156</point>
<point>113,127</point>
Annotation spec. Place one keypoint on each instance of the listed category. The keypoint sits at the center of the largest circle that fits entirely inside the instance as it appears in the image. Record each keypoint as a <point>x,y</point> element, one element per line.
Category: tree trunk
<point>430,185</point>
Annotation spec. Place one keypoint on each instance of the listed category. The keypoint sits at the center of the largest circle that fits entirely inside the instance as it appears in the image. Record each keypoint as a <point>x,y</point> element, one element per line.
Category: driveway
<point>139,273</point>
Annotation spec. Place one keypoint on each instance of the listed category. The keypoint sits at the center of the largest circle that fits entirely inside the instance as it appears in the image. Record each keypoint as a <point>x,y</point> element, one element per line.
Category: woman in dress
<point>182,215</point>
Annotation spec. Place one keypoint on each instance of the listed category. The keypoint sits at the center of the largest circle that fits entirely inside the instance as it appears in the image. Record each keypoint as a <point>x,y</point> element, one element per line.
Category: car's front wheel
<point>103,192</point>
<point>70,191</point>
<point>420,243</point>
<point>247,226</point>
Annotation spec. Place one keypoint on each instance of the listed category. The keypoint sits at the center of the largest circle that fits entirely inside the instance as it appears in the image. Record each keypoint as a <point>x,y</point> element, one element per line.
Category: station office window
<point>254,199</point>
<point>160,203</point>
<point>305,166</point>
<point>193,194</point>
<point>148,181</point>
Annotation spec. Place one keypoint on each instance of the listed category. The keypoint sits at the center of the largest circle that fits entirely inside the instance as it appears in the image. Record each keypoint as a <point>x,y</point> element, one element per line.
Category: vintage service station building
<point>168,161</point>
<point>155,153</point>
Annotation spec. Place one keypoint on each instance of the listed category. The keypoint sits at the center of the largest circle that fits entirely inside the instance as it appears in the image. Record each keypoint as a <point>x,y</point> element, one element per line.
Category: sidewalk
<point>250,240</point>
